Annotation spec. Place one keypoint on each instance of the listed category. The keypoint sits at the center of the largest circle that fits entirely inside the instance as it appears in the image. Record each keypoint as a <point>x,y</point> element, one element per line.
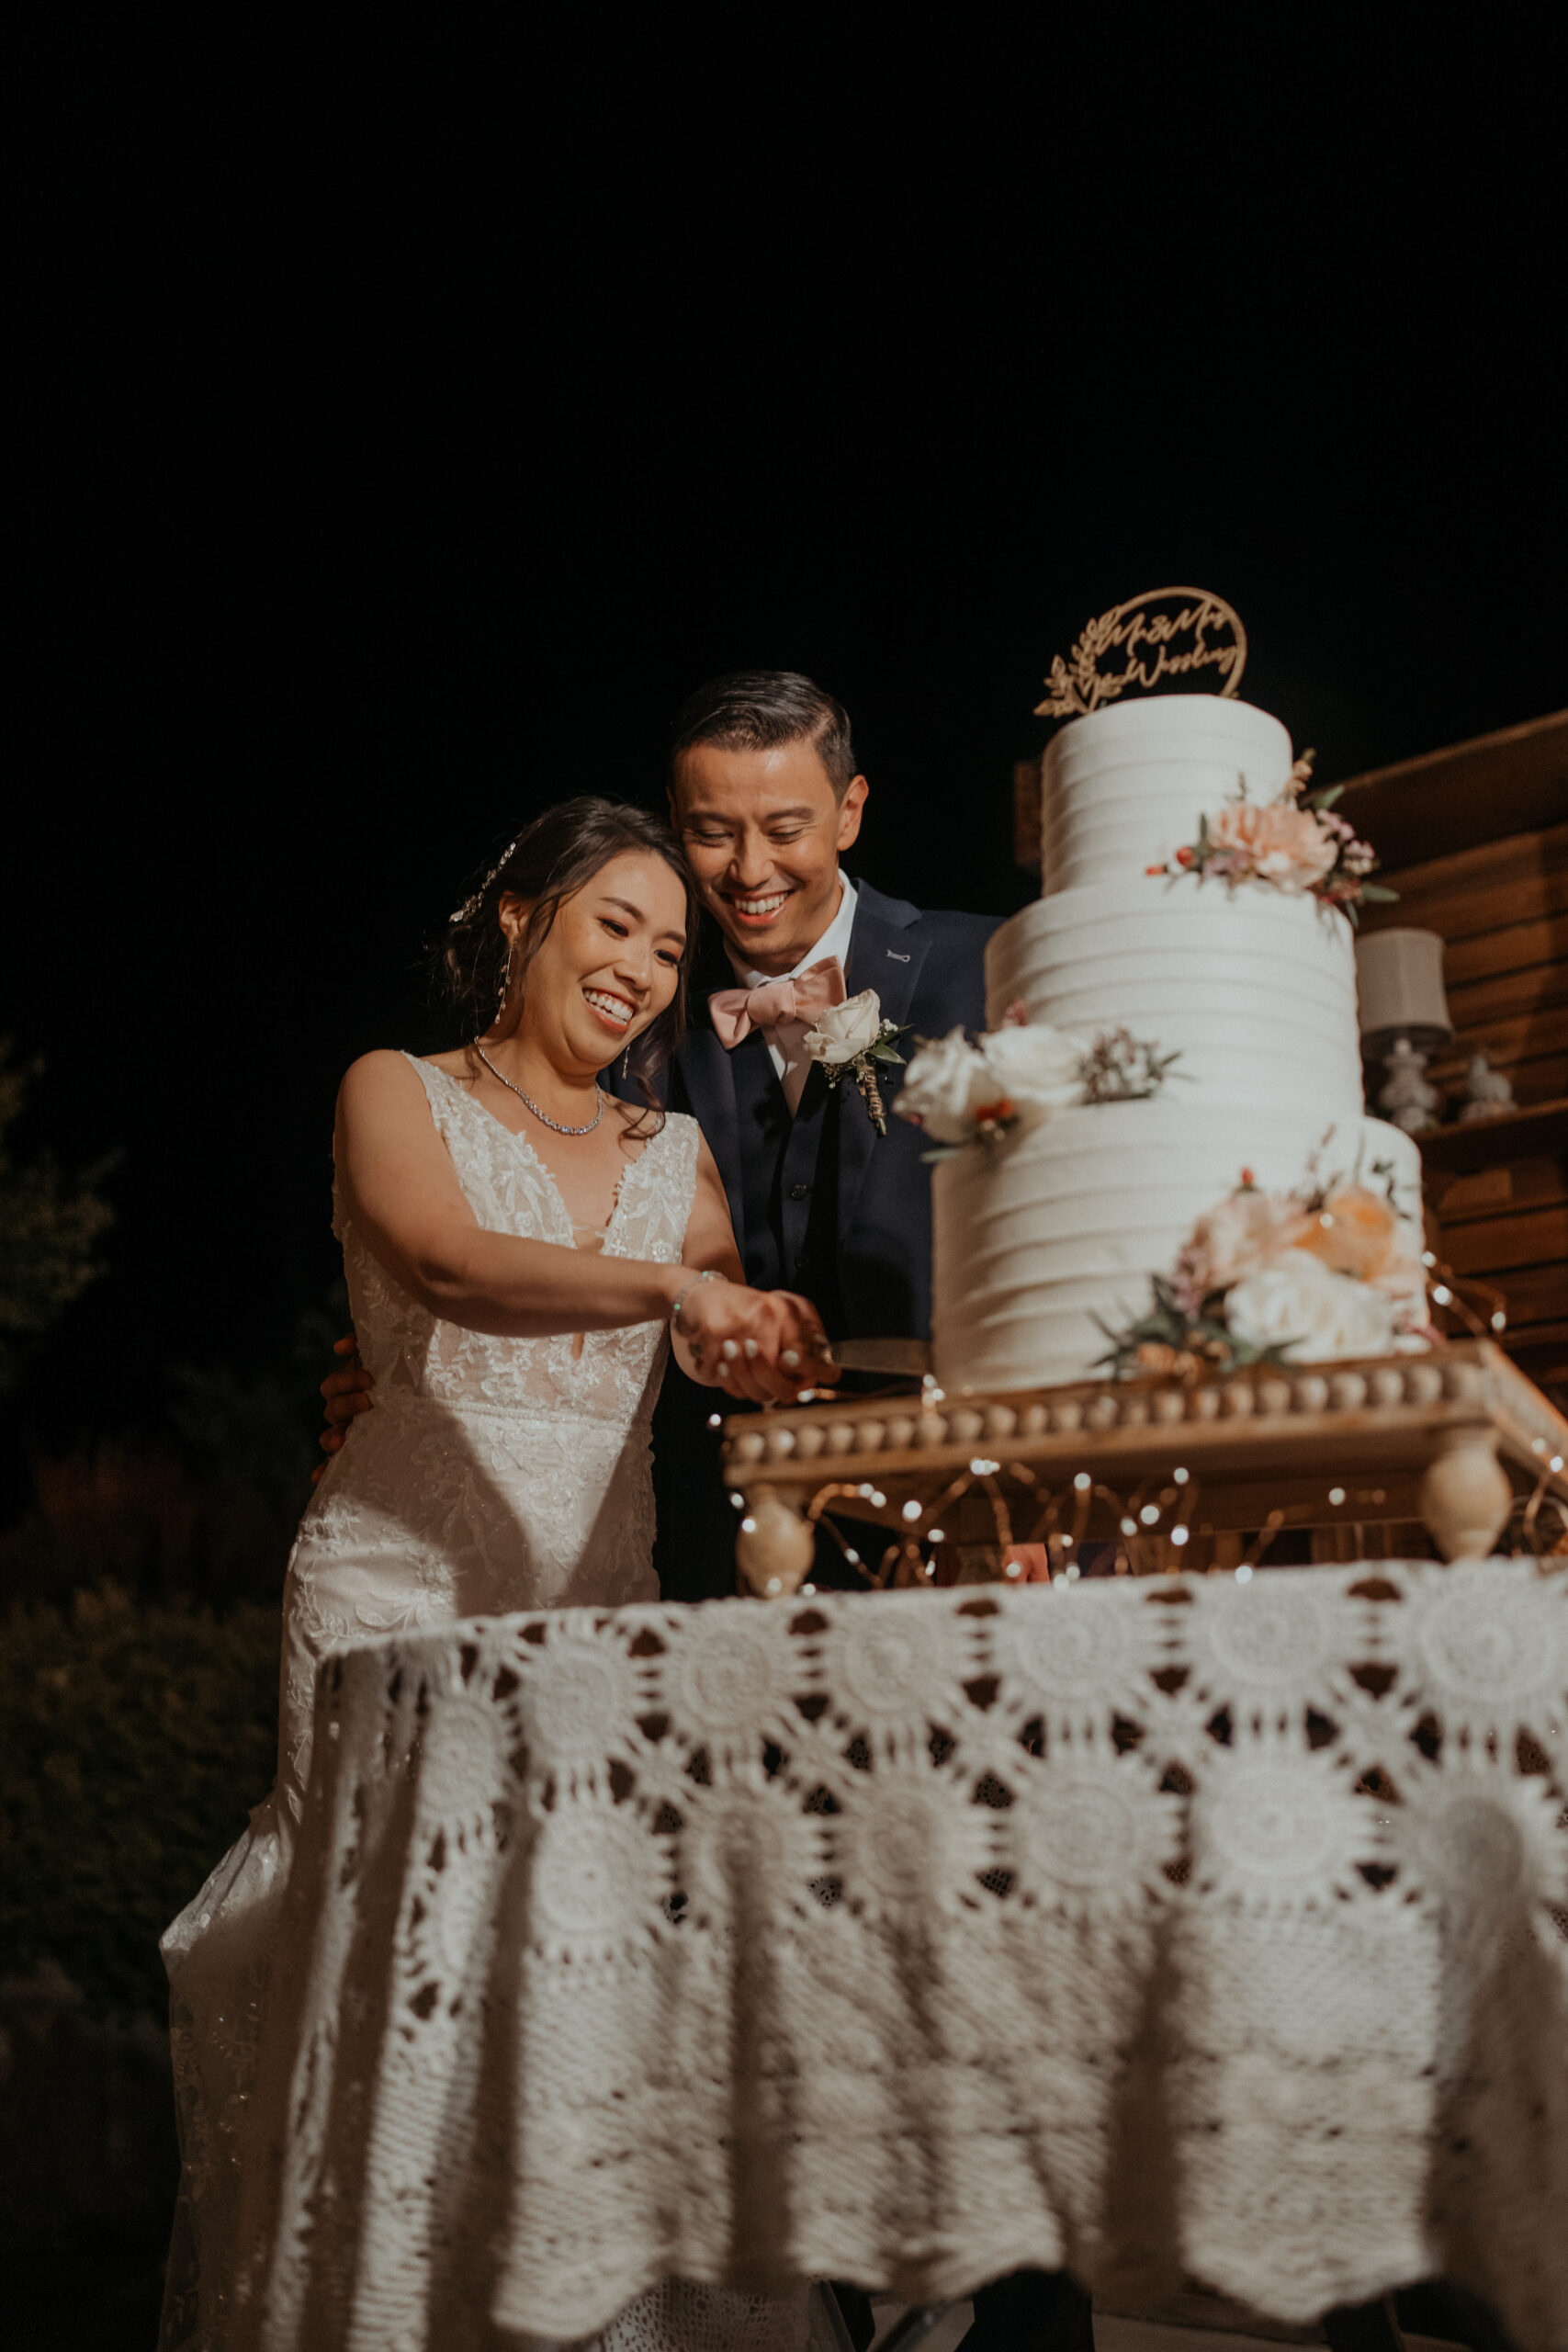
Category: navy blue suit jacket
<point>862,1252</point>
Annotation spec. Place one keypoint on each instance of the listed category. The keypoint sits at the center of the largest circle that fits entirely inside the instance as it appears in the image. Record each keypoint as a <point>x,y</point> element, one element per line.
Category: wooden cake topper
<point>1167,633</point>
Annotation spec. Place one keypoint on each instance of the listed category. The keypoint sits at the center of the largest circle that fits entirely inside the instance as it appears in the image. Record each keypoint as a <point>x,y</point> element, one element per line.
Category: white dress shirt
<point>784,1040</point>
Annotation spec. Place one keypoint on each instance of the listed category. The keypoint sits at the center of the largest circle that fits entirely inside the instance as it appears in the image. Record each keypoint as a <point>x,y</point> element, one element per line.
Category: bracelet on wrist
<point>708,1274</point>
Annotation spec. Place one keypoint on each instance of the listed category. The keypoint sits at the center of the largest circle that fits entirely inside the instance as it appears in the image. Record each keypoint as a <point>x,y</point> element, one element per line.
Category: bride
<point>518,1244</point>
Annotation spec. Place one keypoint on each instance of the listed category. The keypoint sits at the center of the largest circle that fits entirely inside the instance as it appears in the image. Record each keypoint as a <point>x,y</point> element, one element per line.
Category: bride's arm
<point>403,1192</point>
<point>405,1197</point>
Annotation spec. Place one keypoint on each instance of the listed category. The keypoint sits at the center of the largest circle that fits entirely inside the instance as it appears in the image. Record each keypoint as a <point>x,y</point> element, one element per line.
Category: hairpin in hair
<point>475,899</point>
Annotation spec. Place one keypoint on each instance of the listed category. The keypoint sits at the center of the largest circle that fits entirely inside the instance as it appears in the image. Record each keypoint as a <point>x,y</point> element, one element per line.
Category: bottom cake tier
<point>1040,1234</point>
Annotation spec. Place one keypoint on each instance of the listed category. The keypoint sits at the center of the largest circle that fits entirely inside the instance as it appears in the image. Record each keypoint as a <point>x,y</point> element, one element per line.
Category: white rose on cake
<point>1037,1068</point>
<point>842,1031</point>
<point>947,1082</point>
<point>1298,1303</point>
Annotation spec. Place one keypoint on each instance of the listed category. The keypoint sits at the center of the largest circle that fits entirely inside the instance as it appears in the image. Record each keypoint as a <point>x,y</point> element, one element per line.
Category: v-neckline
<point>516,1135</point>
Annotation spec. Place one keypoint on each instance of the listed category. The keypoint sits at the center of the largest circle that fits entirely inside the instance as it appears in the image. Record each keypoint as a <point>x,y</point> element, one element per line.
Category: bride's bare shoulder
<point>460,1063</point>
<point>390,1063</point>
<point>389,1076</point>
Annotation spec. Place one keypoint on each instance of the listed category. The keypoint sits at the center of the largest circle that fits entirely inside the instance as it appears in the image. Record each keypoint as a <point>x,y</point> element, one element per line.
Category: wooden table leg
<point>775,1547</point>
<point>1465,1494</point>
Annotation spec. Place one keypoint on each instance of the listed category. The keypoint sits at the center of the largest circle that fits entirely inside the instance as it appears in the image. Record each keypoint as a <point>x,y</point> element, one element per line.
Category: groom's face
<point>762,832</point>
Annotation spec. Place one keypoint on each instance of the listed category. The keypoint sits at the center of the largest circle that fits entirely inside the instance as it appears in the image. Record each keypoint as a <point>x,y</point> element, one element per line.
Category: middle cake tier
<point>1255,991</point>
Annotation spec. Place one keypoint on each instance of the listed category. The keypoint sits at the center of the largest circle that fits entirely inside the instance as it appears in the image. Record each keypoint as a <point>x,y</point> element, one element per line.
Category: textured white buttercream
<point>1255,990</point>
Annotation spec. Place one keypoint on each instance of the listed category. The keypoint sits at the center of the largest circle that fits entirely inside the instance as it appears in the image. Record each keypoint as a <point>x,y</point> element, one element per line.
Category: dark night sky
<point>405,425</point>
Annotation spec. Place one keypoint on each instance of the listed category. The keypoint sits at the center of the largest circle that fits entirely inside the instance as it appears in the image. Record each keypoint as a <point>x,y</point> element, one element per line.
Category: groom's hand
<point>346,1393</point>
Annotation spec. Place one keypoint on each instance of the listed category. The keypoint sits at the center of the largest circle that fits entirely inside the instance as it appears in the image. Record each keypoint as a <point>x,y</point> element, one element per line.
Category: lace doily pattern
<point>916,1937</point>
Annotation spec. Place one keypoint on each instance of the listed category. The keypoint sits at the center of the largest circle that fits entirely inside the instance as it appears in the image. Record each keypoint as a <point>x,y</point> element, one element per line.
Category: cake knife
<point>911,1357</point>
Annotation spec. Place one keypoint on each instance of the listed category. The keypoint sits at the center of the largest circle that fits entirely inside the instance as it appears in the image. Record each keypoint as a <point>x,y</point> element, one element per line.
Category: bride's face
<point>609,963</point>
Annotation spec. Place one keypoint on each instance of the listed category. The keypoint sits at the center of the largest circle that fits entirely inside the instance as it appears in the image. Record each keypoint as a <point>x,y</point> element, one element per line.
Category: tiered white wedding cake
<point>1041,1230</point>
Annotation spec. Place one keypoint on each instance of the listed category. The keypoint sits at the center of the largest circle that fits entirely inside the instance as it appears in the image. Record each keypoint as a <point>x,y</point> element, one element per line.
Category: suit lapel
<point>884,954</point>
<point>709,1079</point>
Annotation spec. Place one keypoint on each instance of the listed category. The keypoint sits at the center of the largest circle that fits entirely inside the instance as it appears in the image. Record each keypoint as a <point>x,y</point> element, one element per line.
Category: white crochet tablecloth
<point>1149,1928</point>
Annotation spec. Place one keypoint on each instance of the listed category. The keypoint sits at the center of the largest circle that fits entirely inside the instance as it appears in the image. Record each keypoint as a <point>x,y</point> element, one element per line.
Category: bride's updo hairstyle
<point>551,859</point>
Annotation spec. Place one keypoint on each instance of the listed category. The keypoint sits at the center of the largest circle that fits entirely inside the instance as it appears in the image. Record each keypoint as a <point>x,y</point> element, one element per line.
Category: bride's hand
<point>759,1346</point>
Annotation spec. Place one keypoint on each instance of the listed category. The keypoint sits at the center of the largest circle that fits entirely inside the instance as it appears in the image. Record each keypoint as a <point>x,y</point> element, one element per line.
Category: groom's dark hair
<point>754,710</point>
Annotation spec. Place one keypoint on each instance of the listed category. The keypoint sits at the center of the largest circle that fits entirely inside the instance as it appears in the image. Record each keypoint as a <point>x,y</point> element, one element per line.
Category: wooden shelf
<point>1534,1128</point>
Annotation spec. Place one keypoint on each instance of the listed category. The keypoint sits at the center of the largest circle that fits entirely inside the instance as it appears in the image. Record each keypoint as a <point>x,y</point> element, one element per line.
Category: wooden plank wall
<point>1501,908</point>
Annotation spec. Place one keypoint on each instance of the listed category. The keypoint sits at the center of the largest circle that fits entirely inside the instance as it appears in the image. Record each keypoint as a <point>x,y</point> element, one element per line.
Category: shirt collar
<point>835,940</point>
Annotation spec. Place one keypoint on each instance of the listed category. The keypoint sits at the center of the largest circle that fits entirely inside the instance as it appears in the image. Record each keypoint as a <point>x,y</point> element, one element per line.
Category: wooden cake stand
<point>1195,1478</point>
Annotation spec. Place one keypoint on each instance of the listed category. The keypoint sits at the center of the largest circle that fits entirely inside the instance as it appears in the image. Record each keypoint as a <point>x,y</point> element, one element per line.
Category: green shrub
<point>133,1740</point>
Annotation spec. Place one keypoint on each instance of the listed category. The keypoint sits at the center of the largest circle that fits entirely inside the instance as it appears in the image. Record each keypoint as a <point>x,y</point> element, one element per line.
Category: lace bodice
<point>408,1350</point>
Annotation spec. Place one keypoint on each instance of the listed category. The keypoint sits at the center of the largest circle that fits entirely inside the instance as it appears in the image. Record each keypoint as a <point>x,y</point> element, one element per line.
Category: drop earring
<point>505,985</point>
<point>627,1064</point>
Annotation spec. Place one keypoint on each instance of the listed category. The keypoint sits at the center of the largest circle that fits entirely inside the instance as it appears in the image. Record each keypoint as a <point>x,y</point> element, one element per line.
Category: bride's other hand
<point>761,1347</point>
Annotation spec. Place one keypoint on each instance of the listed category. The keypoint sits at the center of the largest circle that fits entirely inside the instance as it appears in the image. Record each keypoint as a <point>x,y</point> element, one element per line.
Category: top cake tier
<point>1124,788</point>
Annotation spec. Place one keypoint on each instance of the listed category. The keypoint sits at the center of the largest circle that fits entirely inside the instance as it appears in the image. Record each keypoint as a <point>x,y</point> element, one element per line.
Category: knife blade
<point>912,1357</point>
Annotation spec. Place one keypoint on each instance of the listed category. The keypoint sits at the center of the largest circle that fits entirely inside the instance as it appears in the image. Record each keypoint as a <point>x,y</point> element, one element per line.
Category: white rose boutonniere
<point>853,1037</point>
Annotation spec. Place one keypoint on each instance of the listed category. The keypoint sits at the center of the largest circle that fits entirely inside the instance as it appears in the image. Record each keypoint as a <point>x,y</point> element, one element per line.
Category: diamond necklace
<point>543,1116</point>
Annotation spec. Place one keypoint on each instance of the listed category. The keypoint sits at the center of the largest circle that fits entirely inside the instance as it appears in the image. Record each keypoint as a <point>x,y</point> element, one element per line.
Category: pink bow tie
<point>735,1012</point>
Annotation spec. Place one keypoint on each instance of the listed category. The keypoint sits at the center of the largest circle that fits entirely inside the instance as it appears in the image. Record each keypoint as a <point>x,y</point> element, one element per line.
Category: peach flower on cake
<point>1229,1241</point>
<point>1279,843</point>
<point>1355,1231</point>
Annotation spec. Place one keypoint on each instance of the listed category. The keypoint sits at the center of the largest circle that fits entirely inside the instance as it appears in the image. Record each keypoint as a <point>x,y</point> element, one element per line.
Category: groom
<point>765,796</point>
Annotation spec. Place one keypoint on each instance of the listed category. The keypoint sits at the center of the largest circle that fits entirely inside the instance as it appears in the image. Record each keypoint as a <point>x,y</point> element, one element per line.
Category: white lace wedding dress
<point>492,1474</point>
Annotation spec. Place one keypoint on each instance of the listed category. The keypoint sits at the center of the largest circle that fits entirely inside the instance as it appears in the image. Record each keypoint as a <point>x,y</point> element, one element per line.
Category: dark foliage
<point>132,1742</point>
